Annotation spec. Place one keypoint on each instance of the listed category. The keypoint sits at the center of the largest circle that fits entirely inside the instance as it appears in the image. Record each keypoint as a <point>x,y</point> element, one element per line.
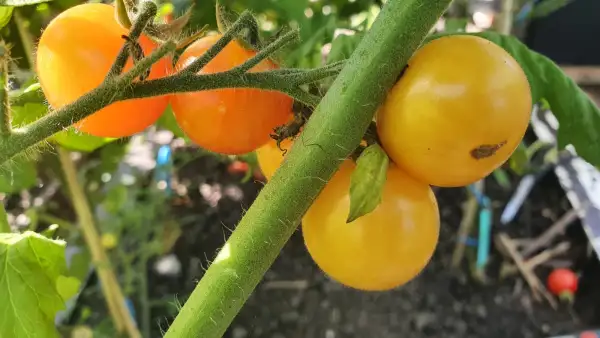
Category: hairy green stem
<point>334,130</point>
<point>243,21</point>
<point>147,62</point>
<point>267,51</point>
<point>147,12</point>
<point>314,75</point>
<point>5,126</point>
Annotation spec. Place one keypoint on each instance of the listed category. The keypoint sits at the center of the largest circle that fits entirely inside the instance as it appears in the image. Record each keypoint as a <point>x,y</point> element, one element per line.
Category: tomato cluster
<point>79,46</point>
<point>456,114</point>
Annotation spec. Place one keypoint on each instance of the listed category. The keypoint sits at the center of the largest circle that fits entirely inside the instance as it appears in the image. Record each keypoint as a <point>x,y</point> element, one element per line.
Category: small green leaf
<point>577,114</point>
<point>225,17</point>
<point>343,46</point>
<point>27,113</point>
<point>73,139</point>
<point>122,13</point>
<point>519,161</point>
<point>17,174</point>
<point>547,7</point>
<point>67,287</point>
<point>20,3</point>
<point>32,265</point>
<point>167,121</point>
<point>367,182</point>
<point>249,37</point>
<point>5,15</point>
<point>502,178</point>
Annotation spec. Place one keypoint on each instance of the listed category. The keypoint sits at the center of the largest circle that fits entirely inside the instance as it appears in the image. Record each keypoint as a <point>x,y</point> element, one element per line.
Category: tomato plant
<point>229,121</point>
<point>458,112</point>
<point>74,55</point>
<point>381,250</point>
<point>270,156</point>
<point>562,283</point>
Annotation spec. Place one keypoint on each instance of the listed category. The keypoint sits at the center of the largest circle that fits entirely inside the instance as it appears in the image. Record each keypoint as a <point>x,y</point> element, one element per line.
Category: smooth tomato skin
<point>74,54</point>
<point>270,156</point>
<point>562,280</point>
<point>381,250</point>
<point>229,121</point>
<point>457,94</point>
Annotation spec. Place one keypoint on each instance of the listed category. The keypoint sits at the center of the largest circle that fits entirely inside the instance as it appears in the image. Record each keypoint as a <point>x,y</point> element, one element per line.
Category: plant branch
<point>317,74</point>
<point>147,62</point>
<point>5,124</point>
<point>282,41</point>
<point>334,130</point>
<point>110,287</point>
<point>147,12</point>
<point>244,20</point>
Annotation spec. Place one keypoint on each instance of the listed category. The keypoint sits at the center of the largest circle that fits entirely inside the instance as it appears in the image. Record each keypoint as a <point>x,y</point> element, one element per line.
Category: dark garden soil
<point>295,299</point>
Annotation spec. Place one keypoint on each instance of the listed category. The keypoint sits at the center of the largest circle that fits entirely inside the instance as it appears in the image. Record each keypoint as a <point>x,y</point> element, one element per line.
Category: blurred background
<point>164,207</point>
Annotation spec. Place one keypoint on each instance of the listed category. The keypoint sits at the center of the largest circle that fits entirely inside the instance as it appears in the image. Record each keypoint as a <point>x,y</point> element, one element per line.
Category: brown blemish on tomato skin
<point>486,150</point>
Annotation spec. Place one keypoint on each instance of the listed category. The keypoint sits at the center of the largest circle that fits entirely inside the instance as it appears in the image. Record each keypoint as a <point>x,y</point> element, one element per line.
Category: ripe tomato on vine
<point>234,120</point>
<point>74,54</point>
<point>381,250</point>
<point>270,156</point>
<point>457,113</point>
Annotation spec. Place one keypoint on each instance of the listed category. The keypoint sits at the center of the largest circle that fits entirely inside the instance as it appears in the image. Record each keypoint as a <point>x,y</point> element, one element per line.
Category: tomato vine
<point>120,87</point>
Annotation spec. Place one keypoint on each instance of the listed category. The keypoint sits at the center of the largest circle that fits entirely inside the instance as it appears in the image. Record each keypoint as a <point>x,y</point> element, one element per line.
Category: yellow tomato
<point>458,112</point>
<point>381,250</point>
<point>270,156</point>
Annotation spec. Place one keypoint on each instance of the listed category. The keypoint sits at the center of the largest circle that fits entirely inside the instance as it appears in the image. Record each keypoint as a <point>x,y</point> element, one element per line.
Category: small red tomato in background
<point>563,283</point>
<point>238,167</point>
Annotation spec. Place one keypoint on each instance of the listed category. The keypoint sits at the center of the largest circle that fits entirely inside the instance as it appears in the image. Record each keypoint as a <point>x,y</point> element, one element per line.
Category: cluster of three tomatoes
<point>456,114</point>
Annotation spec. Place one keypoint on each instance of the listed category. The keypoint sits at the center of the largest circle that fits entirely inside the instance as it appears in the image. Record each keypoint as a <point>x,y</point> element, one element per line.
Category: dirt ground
<point>296,300</point>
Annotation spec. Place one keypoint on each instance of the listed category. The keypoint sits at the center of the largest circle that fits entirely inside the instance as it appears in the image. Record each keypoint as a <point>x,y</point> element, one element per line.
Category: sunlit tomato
<point>229,121</point>
<point>381,250</point>
<point>74,54</point>
<point>270,156</point>
<point>458,112</point>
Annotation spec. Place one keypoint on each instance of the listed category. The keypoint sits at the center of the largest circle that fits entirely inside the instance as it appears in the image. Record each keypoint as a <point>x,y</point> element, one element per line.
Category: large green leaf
<point>577,114</point>
<point>31,270</point>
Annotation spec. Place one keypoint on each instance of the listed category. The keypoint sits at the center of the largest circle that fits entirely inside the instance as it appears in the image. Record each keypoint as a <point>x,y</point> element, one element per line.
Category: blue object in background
<point>485,226</point>
<point>164,165</point>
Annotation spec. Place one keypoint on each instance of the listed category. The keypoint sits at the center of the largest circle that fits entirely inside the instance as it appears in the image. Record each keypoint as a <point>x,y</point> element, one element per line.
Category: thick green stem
<point>334,130</point>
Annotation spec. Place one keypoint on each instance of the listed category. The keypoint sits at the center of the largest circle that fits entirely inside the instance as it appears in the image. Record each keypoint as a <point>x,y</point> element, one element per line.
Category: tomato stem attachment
<point>148,10</point>
<point>287,38</point>
<point>5,123</point>
<point>144,64</point>
<point>242,22</point>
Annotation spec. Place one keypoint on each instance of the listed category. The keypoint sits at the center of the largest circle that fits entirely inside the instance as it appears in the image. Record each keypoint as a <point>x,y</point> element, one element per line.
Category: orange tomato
<point>229,121</point>
<point>458,112</point>
<point>270,156</point>
<point>381,250</point>
<point>74,54</point>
